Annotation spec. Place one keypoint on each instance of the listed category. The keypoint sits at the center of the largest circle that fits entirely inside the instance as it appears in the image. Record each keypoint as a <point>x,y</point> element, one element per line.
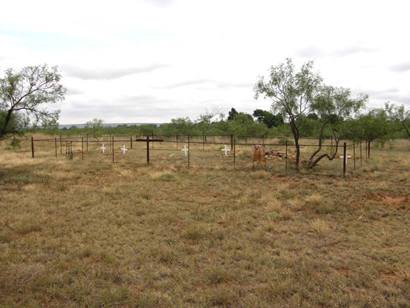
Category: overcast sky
<point>153,60</point>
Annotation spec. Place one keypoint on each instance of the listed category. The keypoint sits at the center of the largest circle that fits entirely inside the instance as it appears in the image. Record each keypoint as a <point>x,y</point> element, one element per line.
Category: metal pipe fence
<point>205,152</point>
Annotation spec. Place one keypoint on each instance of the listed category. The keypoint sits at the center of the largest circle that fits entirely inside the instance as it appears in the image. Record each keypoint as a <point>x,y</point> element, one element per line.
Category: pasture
<point>95,233</point>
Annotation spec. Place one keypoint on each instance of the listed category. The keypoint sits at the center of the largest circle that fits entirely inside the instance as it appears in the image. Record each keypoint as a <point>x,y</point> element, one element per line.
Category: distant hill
<point>61,126</point>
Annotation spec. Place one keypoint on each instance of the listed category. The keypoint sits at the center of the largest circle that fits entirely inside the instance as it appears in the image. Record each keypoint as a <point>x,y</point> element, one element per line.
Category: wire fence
<point>211,152</point>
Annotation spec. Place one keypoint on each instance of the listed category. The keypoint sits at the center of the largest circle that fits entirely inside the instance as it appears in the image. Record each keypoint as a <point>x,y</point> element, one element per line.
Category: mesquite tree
<point>399,114</point>
<point>292,94</point>
<point>27,91</point>
<point>333,106</point>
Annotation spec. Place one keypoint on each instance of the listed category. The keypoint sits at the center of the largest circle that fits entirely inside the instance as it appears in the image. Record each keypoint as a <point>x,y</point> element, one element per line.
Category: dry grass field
<point>93,233</point>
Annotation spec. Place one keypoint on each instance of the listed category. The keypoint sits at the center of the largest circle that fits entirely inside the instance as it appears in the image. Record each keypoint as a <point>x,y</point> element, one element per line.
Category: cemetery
<point>205,151</point>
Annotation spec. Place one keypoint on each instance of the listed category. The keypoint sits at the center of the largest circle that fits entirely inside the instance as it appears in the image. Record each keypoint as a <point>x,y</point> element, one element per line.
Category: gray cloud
<point>71,91</point>
<point>131,109</point>
<point>160,2</point>
<point>186,83</point>
<point>400,67</point>
<point>106,74</point>
<point>310,52</point>
<point>390,94</point>
<point>314,52</point>
<point>352,50</point>
<point>381,93</point>
<point>217,84</point>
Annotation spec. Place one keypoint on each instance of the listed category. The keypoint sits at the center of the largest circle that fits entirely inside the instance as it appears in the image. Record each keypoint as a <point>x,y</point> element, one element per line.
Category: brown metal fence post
<point>231,142</point>
<point>147,150</point>
<point>234,153</point>
<point>130,142</point>
<point>112,148</point>
<point>368,149</point>
<point>32,147</point>
<point>189,151</point>
<point>354,155</point>
<point>55,145</point>
<point>286,156</point>
<point>344,159</point>
<point>152,143</point>
<point>82,147</point>
<point>361,153</point>
<point>86,143</point>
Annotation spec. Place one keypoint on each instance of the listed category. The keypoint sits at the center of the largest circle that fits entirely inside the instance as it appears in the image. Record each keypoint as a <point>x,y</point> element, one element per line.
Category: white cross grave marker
<point>342,157</point>
<point>123,149</point>
<point>103,148</point>
<point>185,150</point>
<point>226,150</point>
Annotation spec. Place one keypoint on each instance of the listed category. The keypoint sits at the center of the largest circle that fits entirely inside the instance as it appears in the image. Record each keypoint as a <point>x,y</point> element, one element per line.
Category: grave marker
<point>226,150</point>
<point>185,150</point>
<point>123,149</point>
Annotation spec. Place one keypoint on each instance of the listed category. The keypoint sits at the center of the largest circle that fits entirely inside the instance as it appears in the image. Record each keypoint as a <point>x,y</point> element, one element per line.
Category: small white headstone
<point>226,150</point>
<point>185,150</point>
<point>103,148</point>
<point>123,149</point>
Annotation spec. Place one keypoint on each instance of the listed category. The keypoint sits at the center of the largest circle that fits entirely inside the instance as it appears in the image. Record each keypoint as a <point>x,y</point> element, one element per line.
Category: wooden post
<point>130,142</point>
<point>344,159</point>
<point>286,156</point>
<point>82,147</point>
<point>354,155</point>
<point>55,146</point>
<point>86,142</point>
<point>112,148</point>
<point>147,150</point>
<point>32,147</point>
<point>189,151</point>
<point>231,143</point>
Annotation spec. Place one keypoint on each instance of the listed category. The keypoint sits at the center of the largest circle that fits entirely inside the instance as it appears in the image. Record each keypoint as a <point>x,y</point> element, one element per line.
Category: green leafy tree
<point>332,106</point>
<point>373,125</point>
<point>268,118</point>
<point>95,127</point>
<point>292,93</point>
<point>232,114</point>
<point>27,92</point>
<point>400,115</point>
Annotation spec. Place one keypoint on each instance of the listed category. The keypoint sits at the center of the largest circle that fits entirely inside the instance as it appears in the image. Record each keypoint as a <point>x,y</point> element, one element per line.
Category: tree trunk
<point>295,133</point>
<point>368,148</point>
<point>319,147</point>
<point>314,161</point>
<point>329,157</point>
<point>406,129</point>
<point>3,130</point>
